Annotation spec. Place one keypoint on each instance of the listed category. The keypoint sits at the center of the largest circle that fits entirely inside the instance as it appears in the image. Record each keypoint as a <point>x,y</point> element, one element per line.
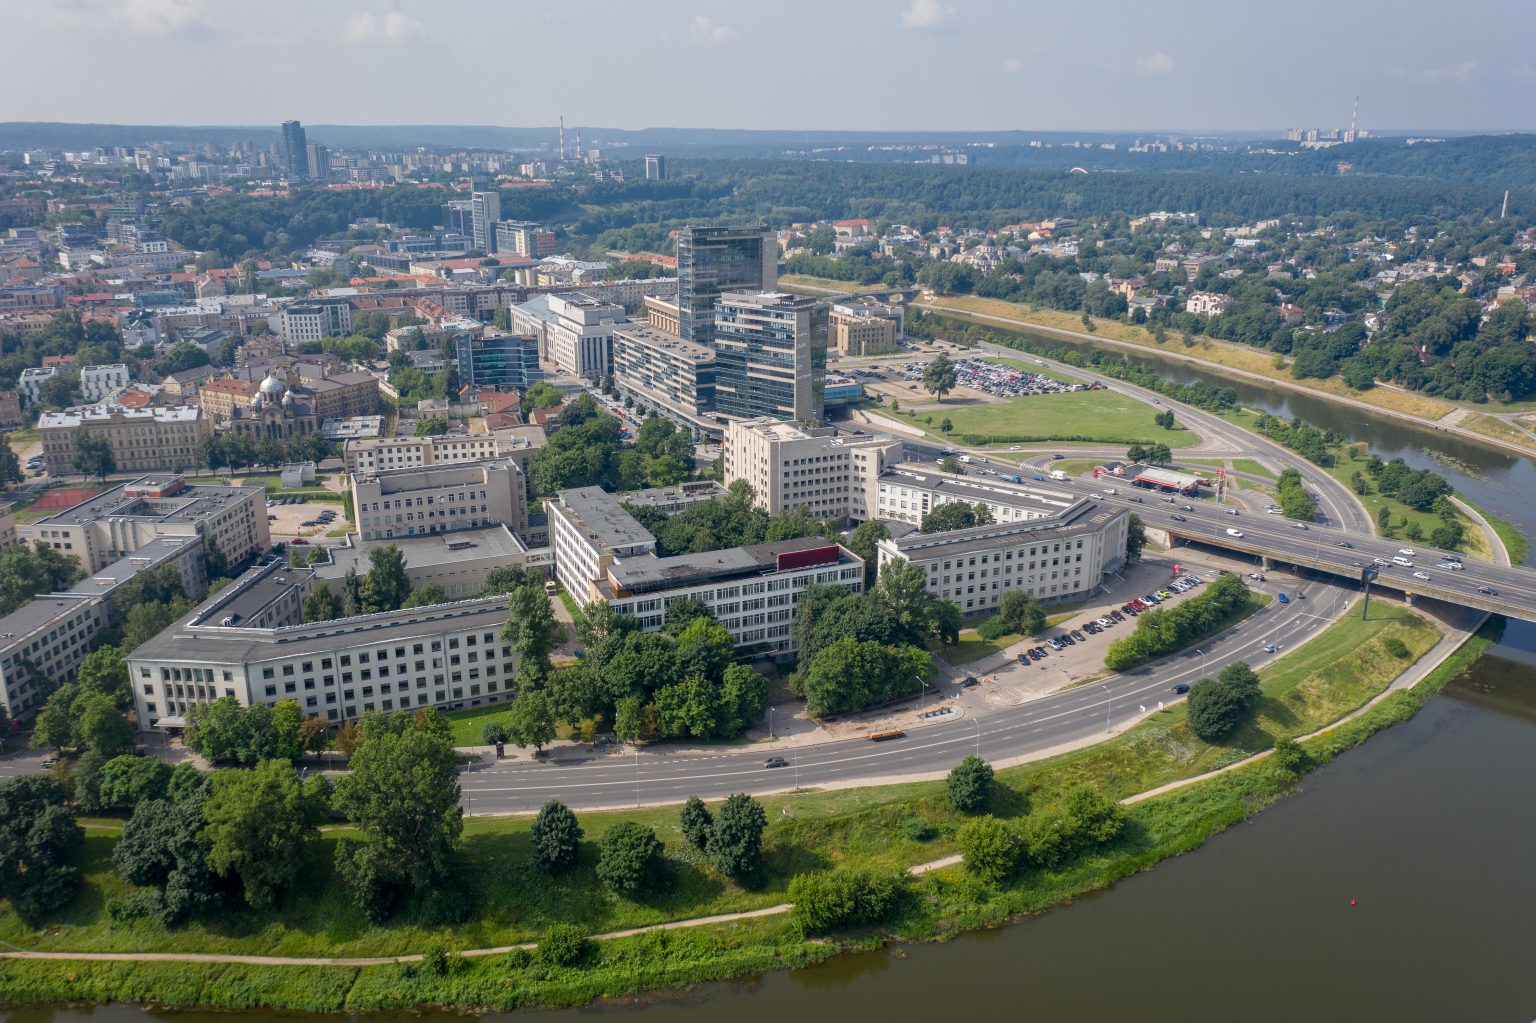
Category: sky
<point>1045,65</point>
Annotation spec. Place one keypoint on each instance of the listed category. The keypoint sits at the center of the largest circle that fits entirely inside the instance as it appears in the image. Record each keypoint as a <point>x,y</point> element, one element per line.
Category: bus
<point>891,733</point>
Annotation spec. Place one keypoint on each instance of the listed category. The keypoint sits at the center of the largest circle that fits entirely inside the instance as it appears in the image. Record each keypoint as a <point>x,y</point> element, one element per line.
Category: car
<point>1014,448</point>
<point>1380,561</point>
<point>1421,575</point>
<point>271,518</point>
<point>1178,518</point>
<point>1233,512</point>
<point>1077,635</point>
<point>1282,598</point>
<point>1134,499</point>
<point>1117,616</point>
<point>301,542</point>
<point>775,762</point>
<point>1406,552</point>
<point>1235,532</point>
<point>968,681</point>
<point>1299,525</point>
<point>1186,507</point>
<point>1110,492</point>
<point>50,761</point>
<point>1345,544</point>
<point>1357,564</point>
<point>1254,575</point>
<point>1488,591</point>
<point>1452,557</point>
<point>1024,657</point>
<point>1181,688</point>
<point>1039,479</point>
<point>1168,500</point>
<point>1271,648</point>
<point>1164,594</point>
<point>1450,566</point>
<point>1057,458</point>
<point>1273,511</point>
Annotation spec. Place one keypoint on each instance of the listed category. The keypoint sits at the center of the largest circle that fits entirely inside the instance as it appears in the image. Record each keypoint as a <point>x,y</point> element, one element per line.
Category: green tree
<point>696,823</point>
<point>432,426</point>
<point>1289,756</point>
<point>969,784</point>
<point>127,781</point>
<point>556,837</point>
<point>93,456</point>
<point>563,945</point>
<point>321,605</point>
<point>426,595</point>
<point>386,586</point>
<point>105,671</point>
<point>903,591</point>
<point>1021,613</point>
<point>10,463</point>
<point>26,571</point>
<point>215,563</point>
<point>1217,706</point>
<point>403,795</point>
<point>506,578</point>
<point>162,848</point>
<point>682,613</point>
<point>864,541</point>
<point>102,725</point>
<point>629,858</point>
<point>530,719</point>
<point>939,376</point>
<point>704,648</point>
<point>542,394</point>
<point>955,515</point>
<point>735,845</point>
<point>989,848</point>
<point>261,826</point>
<point>530,631</point>
<point>1135,537</point>
<point>39,843</point>
<point>827,900</point>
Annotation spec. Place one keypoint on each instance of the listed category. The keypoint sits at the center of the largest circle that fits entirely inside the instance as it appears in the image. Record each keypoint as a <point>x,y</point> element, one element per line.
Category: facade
<point>1053,558</point>
<point>661,313</point>
<point>1206,303</point>
<point>41,644</point>
<point>484,211</point>
<point>439,499</point>
<point>294,150</point>
<point>10,409</point>
<point>381,453</point>
<point>662,373</point>
<point>249,642</point>
<point>580,334</point>
<point>770,356</point>
<point>908,492</point>
<point>317,162</point>
<point>118,522</point>
<point>316,319</point>
<point>865,328</point>
<point>524,238</point>
<point>655,167</point>
<point>829,474</point>
<point>603,553</point>
<point>141,440</point>
<point>32,378</point>
<point>498,361</point>
<point>714,260</point>
<point>96,382</point>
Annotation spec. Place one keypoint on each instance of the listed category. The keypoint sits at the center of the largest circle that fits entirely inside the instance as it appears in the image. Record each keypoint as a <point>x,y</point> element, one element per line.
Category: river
<point>1394,886</point>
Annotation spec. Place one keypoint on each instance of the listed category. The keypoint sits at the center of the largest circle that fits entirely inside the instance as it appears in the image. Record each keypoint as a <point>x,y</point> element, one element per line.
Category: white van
<point>1234,532</point>
<point>1402,561</point>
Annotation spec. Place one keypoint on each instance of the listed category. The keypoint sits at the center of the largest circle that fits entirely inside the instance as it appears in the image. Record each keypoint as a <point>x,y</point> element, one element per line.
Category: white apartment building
<point>374,454</point>
<point>249,642</point>
<point>33,378</point>
<point>96,382</point>
<point>908,492</point>
<point>1205,303</point>
<point>438,499</point>
<point>313,320</point>
<point>603,553</point>
<point>833,475</point>
<point>581,334</point>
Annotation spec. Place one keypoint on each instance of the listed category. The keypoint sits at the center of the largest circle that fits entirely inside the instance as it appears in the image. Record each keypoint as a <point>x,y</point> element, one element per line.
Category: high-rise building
<point>317,161</point>
<point>485,210</point>
<point>770,356</point>
<point>295,151</point>
<point>655,167</point>
<point>458,217</point>
<point>500,361</point>
<point>714,260</point>
<point>524,238</point>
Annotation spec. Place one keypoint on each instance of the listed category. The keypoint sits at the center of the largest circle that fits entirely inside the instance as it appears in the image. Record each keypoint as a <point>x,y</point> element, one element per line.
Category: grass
<point>1492,426</point>
<point>1515,543</point>
<point>1100,417</point>
<point>972,647</point>
<point>1246,465</point>
<point>874,828</point>
<point>793,281</point>
<point>1353,460</point>
<point>467,723</point>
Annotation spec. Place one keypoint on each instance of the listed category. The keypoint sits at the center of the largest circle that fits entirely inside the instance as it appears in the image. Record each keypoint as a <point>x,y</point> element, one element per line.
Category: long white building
<point>833,475</point>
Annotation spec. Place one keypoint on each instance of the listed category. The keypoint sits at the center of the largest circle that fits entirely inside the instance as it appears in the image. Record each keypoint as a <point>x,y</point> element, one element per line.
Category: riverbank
<point>887,828</point>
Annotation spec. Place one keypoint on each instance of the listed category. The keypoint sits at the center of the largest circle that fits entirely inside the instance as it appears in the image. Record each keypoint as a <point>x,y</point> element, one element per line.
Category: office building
<point>250,642</point>
<point>714,260</point>
<point>96,382</point>
<point>865,328</point>
<point>118,522</point>
<point>458,218</point>
<point>458,561</point>
<point>317,162</point>
<point>498,361</point>
<point>524,238</point>
<point>665,375</point>
<point>655,167</point>
<point>770,356</point>
<point>378,453</point>
<point>393,503</point>
<point>831,475</point>
<point>141,440</point>
<point>603,553</point>
<point>314,319</point>
<point>294,151</point>
<point>485,210</point>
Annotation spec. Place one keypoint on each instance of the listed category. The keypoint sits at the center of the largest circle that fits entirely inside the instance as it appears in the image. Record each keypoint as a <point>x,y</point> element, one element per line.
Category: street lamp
<point>637,777</point>
<point>771,736</point>
<point>1109,699</point>
<point>1204,661</point>
<point>921,692</point>
<point>977,722</point>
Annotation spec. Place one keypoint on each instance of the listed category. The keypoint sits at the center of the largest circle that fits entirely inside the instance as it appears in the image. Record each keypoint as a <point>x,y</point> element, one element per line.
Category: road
<point>627,778</point>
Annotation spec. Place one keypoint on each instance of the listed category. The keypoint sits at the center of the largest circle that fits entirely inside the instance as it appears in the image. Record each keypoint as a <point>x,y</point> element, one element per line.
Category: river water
<point>1395,886</point>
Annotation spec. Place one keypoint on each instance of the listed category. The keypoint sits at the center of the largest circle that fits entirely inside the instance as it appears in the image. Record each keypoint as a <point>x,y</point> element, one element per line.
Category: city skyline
<point>969,65</point>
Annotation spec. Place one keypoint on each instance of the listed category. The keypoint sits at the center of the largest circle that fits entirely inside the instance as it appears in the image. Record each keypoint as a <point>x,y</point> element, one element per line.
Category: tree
<point>530,719</point>
<point>105,671</point>
<point>1020,612</point>
<point>1289,756</point>
<point>629,858</point>
<point>26,571</point>
<point>953,465</point>
<point>93,456</point>
<point>556,837</point>
<point>261,825</point>
<point>681,613</point>
<point>903,591</point>
<point>542,394</point>
<point>506,578</point>
<point>215,563</point>
<point>939,376</point>
<point>102,726</point>
<point>946,426</point>
<point>704,648</point>
<point>180,357</point>
<point>147,620</point>
<point>969,784</point>
<point>493,732</point>
<point>530,631</point>
<point>1217,705</point>
<point>39,842</point>
<point>10,463</point>
<point>386,586</point>
<point>955,515</point>
<point>321,605</point>
<point>826,900</point>
<point>162,848</point>
<point>1135,537</point>
<point>990,848</point>
<point>426,595</point>
<point>864,541</point>
<point>432,426</point>
<point>735,845</point>
<point>696,822</point>
<point>403,795</point>
<point>314,734</point>
<point>127,781</point>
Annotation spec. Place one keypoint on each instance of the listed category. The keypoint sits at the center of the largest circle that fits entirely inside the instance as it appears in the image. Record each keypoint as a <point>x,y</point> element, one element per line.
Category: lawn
<point>467,723</point>
<point>1246,465</point>
<point>1515,543</point>
<point>1101,417</point>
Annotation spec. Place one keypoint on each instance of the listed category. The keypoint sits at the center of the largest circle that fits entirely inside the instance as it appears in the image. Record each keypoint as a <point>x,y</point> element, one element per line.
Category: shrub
<point>629,857</point>
<point>826,900</point>
<point>556,837</point>
<point>518,959</point>
<point>1289,756</point>
<point>696,822</point>
<point>989,847</point>
<point>1395,647</point>
<point>735,846</point>
<point>563,945</point>
<point>435,960</point>
<point>915,829</point>
<point>494,731</point>
<point>1216,705</point>
<point>970,784</point>
<point>992,628</point>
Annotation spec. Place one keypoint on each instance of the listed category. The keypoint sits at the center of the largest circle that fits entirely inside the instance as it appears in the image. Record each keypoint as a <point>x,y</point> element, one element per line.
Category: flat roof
<point>37,613</point>
<point>251,594</point>
<point>1086,517</point>
<point>660,497</point>
<point>189,504</point>
<point>647,572</point>
<point>1032,495</point>
<point>427,551</point>
<point>603,517</point>
<point>655,337</point>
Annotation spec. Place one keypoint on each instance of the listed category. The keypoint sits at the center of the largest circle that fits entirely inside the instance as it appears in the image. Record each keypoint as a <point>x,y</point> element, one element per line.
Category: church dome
<point>272,389</point>
<point>289,398</point>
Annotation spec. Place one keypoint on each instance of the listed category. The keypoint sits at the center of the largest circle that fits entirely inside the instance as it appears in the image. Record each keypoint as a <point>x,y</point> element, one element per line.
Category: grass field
<point>1100,417</point>
<point>793,281</point>
<point>1515,543</point>
<point>1247,465</point>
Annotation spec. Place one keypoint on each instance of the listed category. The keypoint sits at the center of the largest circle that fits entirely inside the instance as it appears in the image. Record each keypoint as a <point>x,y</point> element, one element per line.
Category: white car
<point>1421,575</point>
<point>1235,532</point>
<point>1407,552</point>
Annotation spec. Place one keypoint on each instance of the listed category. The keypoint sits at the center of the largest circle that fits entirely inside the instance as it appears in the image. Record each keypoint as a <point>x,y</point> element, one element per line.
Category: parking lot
<point>286,517</point>
<point>995,379</point>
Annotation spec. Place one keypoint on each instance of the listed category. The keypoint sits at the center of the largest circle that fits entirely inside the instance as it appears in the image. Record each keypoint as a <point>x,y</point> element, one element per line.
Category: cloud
<point>927,14</point>
<point>1458,72</point>
<point>1522,72</point>
<point>1013,66</point>
<point>703,30</point>
<point>390,27</point>
<point>133,17</point>
<point>1156,63</point>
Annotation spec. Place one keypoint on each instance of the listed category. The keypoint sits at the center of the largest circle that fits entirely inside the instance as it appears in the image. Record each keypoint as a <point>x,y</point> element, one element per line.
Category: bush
<point>735,846</point>
<point>493,732</point>
<point>563,945</point>
<point>629,857</point>
<point>1162,631</point>
<point>992,628</point>
<point>1216,705</point>
<point>1289,756</point>
<point>990,848</point>
<point>696,822</point>
<point>915,829</point>
<point>435,960</point>
<point>1395,647</point>
<point>556,837</point>
<point>518,959</point>
<point>969,784</point>
<point>843,898</point>
<point>1084,818</point>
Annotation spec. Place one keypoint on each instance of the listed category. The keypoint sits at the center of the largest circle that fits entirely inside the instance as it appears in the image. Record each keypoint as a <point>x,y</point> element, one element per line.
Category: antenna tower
<point>1354,120</point>
<point>562,138</point>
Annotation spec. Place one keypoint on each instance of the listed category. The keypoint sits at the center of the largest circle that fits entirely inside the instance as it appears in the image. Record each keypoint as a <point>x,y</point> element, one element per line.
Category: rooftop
<point>1032,496</point>
<point>97,414</point>
<point>1084,517</point>
<point>35,614</point>
<point>600,515</point>
<point>655,337</point>
<point>428,551</point>
<point>648,573</point>
<point>251,594</point>
<point>188,504</point>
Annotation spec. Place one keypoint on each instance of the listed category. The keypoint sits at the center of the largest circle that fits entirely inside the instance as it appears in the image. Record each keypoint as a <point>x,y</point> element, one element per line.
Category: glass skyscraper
<point>770,356</point>
<point>715,260</point>
<point>295,151</point>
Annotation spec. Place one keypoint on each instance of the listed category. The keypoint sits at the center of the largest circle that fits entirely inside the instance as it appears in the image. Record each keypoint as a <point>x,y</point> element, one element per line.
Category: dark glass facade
<point>714,260</point>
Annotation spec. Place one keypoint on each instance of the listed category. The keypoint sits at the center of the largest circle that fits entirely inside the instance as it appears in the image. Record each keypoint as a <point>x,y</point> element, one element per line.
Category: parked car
<point>968,681</point>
